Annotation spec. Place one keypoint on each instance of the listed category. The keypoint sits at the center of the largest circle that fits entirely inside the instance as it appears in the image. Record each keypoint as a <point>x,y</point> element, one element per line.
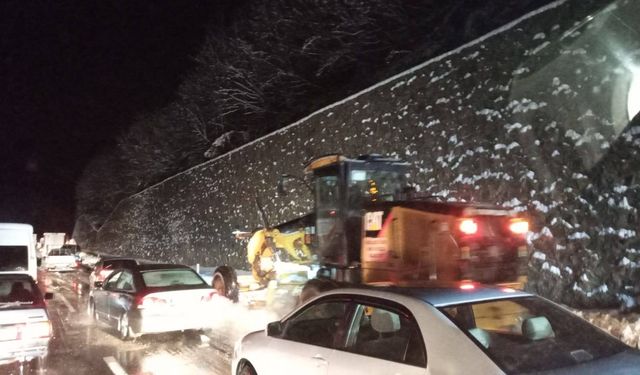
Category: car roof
<point>439,294</point>
<point>116,259</point>
<point>160,266</point>
<point>15,276</point>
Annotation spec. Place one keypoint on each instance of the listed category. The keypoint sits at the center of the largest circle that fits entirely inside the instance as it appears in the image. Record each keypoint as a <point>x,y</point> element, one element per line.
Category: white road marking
<point>114,366</point>
<point>66,302</point>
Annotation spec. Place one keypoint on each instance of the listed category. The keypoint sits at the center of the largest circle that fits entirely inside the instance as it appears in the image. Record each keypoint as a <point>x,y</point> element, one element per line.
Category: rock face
<point>532,117</point>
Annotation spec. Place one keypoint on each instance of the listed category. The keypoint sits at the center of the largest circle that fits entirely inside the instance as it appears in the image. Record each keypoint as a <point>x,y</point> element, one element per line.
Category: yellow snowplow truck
<point>369,226</point>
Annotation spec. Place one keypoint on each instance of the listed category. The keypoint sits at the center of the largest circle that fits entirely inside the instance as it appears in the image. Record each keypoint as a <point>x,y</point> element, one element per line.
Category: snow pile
<point>625,327</point>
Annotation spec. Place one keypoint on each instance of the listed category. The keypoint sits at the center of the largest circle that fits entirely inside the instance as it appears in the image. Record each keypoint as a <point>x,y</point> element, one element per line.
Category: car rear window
<point>531,334</point>
<point>171,277</point>
<point>14,258</point>
<point>18,293</point>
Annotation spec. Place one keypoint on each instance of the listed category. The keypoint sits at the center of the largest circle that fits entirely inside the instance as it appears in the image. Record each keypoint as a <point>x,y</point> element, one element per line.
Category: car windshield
<point>18,293</point>
<point>13,258</point>
<point>531,334</point>
<point>171,277</point>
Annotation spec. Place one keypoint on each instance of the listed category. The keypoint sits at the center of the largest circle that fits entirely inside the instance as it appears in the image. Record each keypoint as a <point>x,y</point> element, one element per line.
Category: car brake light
<point>519,226</point>
<point>36,330</point>
<point>468,226</point>
<point>151,302</point>
<point>467,286</point>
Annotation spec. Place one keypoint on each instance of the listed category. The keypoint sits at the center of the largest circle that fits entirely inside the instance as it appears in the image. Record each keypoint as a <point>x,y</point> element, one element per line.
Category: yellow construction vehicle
<point>369,226</point>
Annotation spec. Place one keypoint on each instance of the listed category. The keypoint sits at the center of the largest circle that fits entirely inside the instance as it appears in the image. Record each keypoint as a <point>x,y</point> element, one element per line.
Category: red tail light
<point>151,301</point>
<point>468,226</point>
<point>519,226</point>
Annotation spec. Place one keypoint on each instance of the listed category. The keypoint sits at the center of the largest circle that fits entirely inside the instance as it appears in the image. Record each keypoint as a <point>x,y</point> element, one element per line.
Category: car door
<point>122,295</point>
<point>383,338</point>
<point>307,342</point>
<point>101,295</point>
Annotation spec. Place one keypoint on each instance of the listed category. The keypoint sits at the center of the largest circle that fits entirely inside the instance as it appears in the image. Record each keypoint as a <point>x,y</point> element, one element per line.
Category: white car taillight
<point>36,330</point>
<point>8,332</point>
<point>26,331</point>
<point>151,301</point>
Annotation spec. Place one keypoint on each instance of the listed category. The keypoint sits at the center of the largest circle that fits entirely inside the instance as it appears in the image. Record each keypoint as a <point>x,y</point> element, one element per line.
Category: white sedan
<point>458,328</point>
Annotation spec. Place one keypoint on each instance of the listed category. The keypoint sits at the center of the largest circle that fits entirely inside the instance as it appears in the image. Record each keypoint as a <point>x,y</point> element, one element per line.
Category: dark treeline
<point>264,65</point>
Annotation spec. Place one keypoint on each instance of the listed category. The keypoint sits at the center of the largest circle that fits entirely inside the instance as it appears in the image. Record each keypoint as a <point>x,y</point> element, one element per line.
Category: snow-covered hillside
<point>531,116</point>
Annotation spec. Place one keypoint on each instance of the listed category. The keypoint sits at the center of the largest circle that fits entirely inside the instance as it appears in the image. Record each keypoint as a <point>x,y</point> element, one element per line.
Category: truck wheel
<point>225,281</point>
<point>314,287</point>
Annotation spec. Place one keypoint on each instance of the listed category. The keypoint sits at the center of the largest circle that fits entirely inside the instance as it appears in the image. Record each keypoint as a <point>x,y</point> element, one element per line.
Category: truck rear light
<point>519,226</point>
<point>468,226</point>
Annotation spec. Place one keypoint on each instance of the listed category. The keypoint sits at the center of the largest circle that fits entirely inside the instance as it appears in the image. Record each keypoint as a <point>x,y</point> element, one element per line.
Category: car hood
<point>627,363</point>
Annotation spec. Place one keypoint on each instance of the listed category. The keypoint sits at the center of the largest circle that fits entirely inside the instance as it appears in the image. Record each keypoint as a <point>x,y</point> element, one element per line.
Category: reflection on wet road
<point>82,347</point>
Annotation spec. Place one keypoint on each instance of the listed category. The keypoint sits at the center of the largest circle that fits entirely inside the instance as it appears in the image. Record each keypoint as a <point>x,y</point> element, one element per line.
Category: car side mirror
<point>98,284</point>
<point>48,295</point>
<point>274,329</point>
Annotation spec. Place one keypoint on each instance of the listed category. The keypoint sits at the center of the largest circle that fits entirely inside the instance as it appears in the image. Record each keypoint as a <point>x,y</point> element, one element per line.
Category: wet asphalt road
<point>80,346</point>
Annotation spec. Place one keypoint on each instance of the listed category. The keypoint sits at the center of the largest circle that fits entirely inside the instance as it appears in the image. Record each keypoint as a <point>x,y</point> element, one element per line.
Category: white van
<point>17,250</point>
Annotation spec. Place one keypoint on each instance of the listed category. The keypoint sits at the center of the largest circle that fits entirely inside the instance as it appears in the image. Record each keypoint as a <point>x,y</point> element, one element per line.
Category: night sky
<point>73,76</point>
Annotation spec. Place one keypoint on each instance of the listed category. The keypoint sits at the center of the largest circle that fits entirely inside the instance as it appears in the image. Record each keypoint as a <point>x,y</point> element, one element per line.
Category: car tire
<point>246,369</point>
<point>225,281</point>
<point>124,330</point>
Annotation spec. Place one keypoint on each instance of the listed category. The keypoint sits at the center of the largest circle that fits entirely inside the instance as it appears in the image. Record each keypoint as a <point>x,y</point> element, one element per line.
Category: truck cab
<point>17,250</point>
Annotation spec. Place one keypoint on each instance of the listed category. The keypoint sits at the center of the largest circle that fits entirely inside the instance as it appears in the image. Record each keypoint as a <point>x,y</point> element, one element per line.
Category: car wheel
<point>124,331</point>
<point>225,282</point>
<point>247,369</point>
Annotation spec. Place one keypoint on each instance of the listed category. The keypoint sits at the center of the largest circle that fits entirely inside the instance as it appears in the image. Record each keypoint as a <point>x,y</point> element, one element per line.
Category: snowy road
<point>81,347</point>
